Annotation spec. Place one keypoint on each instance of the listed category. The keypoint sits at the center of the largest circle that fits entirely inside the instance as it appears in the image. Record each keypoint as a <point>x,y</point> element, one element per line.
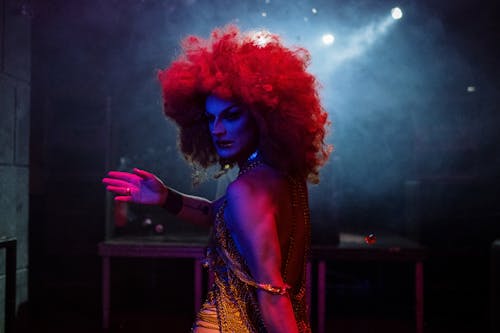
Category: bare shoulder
<point>262,182</point>
<point>255,199</point>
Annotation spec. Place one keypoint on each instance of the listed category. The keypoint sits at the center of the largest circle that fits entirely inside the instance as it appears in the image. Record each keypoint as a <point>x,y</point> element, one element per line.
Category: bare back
<point>291,217</point>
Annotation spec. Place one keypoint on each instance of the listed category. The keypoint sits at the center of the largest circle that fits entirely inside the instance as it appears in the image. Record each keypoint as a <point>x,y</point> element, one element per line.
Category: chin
<point>227,155</point>
<point>230,156</point>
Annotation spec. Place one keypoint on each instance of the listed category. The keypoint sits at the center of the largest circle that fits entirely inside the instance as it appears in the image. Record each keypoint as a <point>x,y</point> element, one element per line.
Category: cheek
<point>238,128</point>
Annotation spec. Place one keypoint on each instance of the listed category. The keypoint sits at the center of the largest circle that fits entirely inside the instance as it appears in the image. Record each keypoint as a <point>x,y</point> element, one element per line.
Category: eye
<point>233,114</point>
<point>210,117</point>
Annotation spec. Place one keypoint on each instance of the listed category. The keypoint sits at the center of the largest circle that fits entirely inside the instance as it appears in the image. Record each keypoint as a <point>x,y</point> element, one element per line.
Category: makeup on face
<point>233,130</point>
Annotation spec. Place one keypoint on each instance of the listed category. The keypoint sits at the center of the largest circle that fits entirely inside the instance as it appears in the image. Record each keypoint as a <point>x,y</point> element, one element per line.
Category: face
<point>233,130</point>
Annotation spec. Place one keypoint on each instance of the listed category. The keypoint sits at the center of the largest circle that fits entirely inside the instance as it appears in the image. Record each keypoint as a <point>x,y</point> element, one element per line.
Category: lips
<point>224,143</point>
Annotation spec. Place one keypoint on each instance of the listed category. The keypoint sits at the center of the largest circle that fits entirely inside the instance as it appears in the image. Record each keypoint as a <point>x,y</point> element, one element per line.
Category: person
<point>243,98</point>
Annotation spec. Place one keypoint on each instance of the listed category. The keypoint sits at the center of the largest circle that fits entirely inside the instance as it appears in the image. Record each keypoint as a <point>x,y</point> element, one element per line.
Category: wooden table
<point>387,248</point>
<point>352,247</point>
<point>131,248</point>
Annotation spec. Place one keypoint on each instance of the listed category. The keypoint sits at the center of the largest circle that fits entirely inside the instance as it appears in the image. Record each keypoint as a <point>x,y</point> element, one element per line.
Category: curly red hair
<point>256,70</point>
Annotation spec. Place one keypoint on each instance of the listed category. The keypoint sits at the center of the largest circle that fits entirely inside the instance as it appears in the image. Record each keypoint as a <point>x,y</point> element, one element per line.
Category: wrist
<point>172,202</point>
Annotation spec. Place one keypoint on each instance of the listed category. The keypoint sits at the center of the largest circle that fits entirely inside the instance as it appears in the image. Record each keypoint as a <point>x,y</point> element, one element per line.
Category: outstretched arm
<point>143,187</point>
<point>252,221</point>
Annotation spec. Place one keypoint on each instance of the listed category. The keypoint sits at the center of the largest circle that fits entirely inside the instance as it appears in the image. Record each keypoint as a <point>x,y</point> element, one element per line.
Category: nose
<point>218,128</point>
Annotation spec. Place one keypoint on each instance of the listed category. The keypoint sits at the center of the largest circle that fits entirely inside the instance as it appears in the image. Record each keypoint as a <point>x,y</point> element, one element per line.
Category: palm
<point>150,191</point>
<point>138,187</point>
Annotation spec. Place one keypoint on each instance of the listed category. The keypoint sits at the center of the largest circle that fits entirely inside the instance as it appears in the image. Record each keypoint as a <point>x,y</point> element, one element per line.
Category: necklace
<point>252,162</point>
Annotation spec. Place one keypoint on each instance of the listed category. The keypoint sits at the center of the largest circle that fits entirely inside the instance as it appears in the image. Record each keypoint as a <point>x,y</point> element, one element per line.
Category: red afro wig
<point>257,71</point>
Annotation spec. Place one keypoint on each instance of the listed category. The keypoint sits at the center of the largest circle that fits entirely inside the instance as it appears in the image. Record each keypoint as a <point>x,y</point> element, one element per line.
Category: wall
<point>15,49</point>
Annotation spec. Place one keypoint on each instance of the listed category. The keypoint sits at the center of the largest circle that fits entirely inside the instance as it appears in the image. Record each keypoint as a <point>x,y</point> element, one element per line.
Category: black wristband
<point>173,203</point>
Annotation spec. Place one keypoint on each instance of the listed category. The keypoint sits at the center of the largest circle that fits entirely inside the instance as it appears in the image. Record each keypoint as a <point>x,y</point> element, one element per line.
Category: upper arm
<point>252,213</point>
<point>252,222</point>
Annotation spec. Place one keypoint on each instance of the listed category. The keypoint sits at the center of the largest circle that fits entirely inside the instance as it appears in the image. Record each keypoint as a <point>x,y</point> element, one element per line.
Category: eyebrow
<point>225,109</point>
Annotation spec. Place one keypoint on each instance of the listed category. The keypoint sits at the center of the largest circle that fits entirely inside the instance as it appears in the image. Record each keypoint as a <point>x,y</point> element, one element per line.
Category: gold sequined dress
<point>231,305</point>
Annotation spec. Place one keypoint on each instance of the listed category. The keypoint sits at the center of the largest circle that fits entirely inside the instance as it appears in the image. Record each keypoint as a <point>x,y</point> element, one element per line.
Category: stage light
<point>396,13</point>
<point>328,39</point>
<point>314,11</point>
<point>471,89</point>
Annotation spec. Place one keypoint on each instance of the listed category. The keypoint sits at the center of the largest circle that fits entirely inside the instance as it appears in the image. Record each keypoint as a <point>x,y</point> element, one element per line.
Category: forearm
<point>188,208</point>
<point>277,313</point>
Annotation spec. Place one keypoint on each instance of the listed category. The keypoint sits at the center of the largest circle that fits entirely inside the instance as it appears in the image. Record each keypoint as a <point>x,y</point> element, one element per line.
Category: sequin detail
<point>233,293</point>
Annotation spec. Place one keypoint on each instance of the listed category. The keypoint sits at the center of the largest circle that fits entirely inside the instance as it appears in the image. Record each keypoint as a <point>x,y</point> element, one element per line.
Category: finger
<point>143,174</point>
<point>148,176</point>
<point>116,182</point>
<point>123,198</point>
<point>126,176</point>
<point>120,190</point>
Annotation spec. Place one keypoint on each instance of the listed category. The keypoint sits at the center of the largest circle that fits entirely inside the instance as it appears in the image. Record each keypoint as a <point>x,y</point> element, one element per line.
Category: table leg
<point>321,295</point>
<point>419,296</point>
<point>105,292</point>
<point>308,289</point>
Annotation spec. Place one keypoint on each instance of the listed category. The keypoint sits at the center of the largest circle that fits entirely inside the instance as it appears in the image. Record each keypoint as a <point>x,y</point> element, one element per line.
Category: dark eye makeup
<point>232,112</point>
<point>210,117</point>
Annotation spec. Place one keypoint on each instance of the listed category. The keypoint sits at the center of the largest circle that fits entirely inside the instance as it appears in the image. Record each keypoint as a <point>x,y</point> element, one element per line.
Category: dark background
<point>416,153</point>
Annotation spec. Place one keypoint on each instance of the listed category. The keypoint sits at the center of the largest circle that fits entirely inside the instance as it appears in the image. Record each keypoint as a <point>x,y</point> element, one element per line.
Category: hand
<point>138,187</point>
